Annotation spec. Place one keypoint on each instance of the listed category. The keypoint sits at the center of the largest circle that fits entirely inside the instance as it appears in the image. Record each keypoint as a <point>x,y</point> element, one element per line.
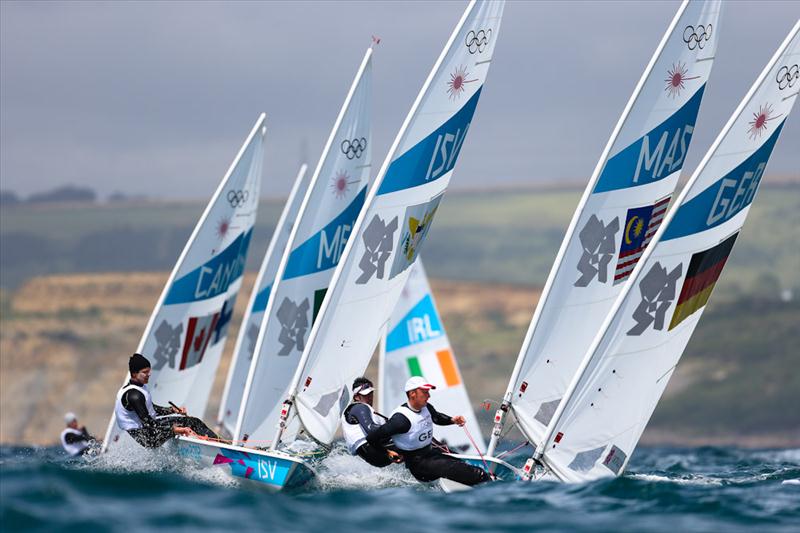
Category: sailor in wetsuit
<point>151,425</point>
<point>75,440</point>
<point>411,429</point>
<point>358,419</point>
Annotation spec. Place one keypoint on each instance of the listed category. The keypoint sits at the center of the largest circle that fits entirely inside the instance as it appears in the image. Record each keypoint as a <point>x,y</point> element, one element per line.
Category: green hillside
<point>508,236</point>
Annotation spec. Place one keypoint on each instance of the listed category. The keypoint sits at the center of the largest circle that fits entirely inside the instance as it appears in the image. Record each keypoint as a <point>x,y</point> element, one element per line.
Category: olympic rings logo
<point>353,148</point>
<point>237,197</point>
<point>477,41</point>
<point>697,37</point>
<point>786,76</point>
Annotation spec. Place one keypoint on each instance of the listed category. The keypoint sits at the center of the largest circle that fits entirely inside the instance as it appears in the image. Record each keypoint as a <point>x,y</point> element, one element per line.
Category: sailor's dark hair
<point>358,382</point>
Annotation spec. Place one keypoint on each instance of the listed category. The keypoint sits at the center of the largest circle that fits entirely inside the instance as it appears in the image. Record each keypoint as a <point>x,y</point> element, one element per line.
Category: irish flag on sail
<point>417,345</point>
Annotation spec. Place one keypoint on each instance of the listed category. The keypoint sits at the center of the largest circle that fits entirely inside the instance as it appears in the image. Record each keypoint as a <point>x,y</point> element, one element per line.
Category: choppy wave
<point>694,489</point>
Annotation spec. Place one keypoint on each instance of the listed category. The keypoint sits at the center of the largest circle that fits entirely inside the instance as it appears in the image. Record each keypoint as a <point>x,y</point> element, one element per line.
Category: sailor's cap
<point>364,389</point>
<point>418,382</point>
<point>70,417</point>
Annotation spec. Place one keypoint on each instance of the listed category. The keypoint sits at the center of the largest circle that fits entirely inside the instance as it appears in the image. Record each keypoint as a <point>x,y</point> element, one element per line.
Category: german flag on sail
<point>704,270</point>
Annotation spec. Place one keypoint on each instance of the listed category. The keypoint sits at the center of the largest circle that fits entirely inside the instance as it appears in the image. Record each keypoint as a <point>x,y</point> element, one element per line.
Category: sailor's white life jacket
<point>74,448</point>
<point>127,420</point>
<point>354,435</point>
<point>421,432</point>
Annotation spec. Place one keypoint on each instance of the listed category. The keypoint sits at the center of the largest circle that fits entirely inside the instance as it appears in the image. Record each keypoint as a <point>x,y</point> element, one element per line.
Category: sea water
<point>665,489</point>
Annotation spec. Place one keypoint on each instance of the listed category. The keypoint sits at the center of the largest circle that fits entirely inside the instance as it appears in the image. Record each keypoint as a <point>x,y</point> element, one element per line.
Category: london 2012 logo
<point>353,148</point>
<point>477,41</point>
<point>787,76</point>
<point>697,36</point>
<point>237,197</point>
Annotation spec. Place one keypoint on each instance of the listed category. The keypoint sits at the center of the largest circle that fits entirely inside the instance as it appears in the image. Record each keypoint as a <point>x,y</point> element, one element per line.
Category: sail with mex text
<point>186,333</point>
<point>333,201</point>
<point>597,426</point>
<point>621,208</point>
<point>251,322</point>
<point>390,232</point>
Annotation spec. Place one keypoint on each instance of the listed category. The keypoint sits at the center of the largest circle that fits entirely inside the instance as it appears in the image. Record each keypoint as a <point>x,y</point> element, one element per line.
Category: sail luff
<point>605,330</point>
<point>365,62</point>
<point>258,127</point>
<point>557,264</point>
<point>384,200</point>
<point>271,250</point>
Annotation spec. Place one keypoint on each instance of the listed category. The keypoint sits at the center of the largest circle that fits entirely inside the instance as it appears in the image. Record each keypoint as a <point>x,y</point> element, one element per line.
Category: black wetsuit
<point>428,463</point>
<point>154,433</point>
<point>71,438</point>
<point>360,414</point>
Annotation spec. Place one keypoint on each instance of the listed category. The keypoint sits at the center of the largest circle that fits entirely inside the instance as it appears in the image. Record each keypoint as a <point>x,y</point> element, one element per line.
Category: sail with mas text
<point>186,333</point>
<point>621,208</point>
<point>596,428</point>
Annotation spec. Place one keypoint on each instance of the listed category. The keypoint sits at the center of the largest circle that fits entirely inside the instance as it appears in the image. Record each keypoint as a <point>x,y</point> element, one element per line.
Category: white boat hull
<point>270,469</point>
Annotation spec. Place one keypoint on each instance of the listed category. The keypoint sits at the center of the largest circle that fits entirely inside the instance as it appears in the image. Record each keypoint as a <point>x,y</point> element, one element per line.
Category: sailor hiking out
<point>74,439</point>
<point>151,425</point>
<point>411,429</point>
<point>358,419</point>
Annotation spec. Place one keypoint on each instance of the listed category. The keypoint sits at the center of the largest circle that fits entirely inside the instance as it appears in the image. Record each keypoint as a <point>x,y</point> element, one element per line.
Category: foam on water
<point>340,471</point>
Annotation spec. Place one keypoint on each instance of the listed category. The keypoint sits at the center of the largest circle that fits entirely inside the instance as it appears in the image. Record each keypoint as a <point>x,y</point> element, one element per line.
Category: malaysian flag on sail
<point>641,224</point>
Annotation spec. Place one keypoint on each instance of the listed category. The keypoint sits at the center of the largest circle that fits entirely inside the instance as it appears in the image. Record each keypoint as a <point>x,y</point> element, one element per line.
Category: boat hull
<point>501,469</point>
<point>270,469</point>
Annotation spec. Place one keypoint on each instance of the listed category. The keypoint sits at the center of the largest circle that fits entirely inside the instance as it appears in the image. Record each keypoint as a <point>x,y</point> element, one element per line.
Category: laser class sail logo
<point>786,76</point>
<point>697,37</point>
<point>477,41</point>
<point>237,197</point>
<point>455,85</point>
<point>340,184</point>
<point>760,121</point>
<point>675,79</point>
<point>354,148</point>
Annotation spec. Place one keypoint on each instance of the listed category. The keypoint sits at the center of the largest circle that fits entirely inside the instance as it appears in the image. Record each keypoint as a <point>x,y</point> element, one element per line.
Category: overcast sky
<point>155,98</point>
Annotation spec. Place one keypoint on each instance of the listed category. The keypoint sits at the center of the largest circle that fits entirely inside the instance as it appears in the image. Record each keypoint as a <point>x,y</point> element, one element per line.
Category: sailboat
<point>187,330</point>
<point>384,243</point>
<point>597,425</point>
<point>416,344</point>
<point>322,225</point>
<point>251,322</point>
<point>620,210</point>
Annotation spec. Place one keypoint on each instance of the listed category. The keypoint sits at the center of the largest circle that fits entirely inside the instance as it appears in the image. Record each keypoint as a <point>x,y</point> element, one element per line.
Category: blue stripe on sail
<point>655,155</point>
<point>420,324</point>
<point>725,197</point>
<point>260,304</point>
<point>323,250</point>
<point>433,156</point>
<point>213,277</point>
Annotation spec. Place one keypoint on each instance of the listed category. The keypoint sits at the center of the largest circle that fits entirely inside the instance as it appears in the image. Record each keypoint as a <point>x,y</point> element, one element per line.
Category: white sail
<point>331,205</point>
<point>598,424</point>
<point>392,227</point>
<point>417,345</point>
<point>251,322</point>
<point>620,210</point>
<point>186,333</point>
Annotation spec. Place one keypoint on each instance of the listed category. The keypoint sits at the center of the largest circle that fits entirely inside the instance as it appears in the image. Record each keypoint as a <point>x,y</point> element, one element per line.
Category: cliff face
<point>65,342</point>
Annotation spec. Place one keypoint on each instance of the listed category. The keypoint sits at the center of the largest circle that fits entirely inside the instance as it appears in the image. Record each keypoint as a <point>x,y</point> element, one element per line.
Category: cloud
<point>155,98</point>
